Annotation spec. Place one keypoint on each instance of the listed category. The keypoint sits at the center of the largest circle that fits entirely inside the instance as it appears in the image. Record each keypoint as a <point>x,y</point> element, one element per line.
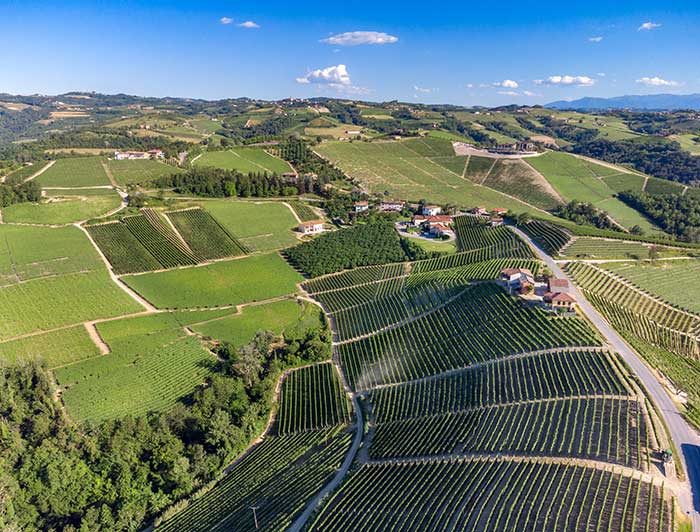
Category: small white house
<point>311,228</point>
<point>431,210</point>
<point>391,206</point>
<point>361,206</point>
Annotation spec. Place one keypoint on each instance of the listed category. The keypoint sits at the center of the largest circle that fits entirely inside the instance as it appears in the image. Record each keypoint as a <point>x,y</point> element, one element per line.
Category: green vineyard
<point>204,236</point>
<point>303,211</point>
<point>123,250</point>
<point>494,495</point>
<point>549,237</point>
<point>481,324</point>
<point>312,398</point>
<point>475,233</point>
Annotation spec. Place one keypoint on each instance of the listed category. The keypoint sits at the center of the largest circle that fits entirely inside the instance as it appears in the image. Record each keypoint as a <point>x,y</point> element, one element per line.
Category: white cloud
<point>601,74</point>
<point>648,26</point>
<point>336,77</point>
<point>226,20</point>
<point>530,93</point>
<point>506,84</point>
<point>657,82</point>
<point>470,85</point>
<point>423,90</point>
<point>508,93</point>
<point>355,38</point>
<point>581,81</point>
<point>248,24</point>
<point>595,39</point>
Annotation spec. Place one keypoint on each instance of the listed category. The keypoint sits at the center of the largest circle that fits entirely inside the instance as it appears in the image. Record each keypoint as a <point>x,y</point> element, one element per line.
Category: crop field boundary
<point>41,171</point>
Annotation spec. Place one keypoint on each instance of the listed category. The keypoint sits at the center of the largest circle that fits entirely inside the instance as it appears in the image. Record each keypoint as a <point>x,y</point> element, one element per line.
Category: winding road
<point>685,439</point>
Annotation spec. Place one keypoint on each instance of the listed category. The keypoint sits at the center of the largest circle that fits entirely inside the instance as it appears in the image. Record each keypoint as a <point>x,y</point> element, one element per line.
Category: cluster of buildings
<point>385,206</point>
<point>495,215</point>
<point>513,149</point>
<point>553,294</point>
<point>432,221</point>
<point>138,155</point>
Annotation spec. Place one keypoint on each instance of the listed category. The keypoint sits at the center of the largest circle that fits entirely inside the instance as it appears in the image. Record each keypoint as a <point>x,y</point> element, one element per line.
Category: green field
<point>75,172</point>
<point>288,316</point>
<point>64,211</point>
<point>233,282</point>
<point>415,169</point>
<point>244,160</point>
<point>128,172</point>
<point>674,281</point>
<point>688,142</point>
<point>131,383</point>
<point>262,226</point>
<point>598,248</point>
<point>31,252</point>
<point>582,180</point>
<point>53,302</point>
<point>56,348</point>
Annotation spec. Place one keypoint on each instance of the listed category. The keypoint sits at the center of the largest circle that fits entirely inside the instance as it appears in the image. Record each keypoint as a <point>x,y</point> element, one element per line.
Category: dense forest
<point>675,214</point>
<point>374,242</point>
<point>655,157</point>
<point>115,476</point>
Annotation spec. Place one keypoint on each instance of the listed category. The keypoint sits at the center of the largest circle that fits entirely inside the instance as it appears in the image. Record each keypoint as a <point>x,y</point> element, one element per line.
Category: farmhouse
<point>479,211</point>
<point>431,210</point>
<point>361,206</point>
<point>517,147</point>
<point>517,279</point>
<point>136,155</point>
<point>559,286</point>
<point>391,206</point>
<point>496,221</point>
<point>311,228</point>
<point>440,229</point>
<point>559,302</point>
<point>291,176</point>
<point>499,211</point>
<point>420,219</point>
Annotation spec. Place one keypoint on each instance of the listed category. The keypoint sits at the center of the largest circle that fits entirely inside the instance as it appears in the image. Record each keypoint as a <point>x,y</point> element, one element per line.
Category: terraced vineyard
<point>596,248</point>
<point>204,236</point>
<point>475,233</point>
<point>481,324</point>
<point>494,495</point>
<point>280,474</point>
<point>549,237</point>
<point>312,398</point>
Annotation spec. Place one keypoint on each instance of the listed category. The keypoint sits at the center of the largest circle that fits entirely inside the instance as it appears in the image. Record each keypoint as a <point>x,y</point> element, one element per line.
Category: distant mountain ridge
<point>650,102</point>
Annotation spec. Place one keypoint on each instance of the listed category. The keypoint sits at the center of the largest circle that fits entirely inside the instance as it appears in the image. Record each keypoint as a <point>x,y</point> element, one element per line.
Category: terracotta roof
<point>563,298</point>
<point>559,283</point>
<point>313,222</point>
<point>361,203</point>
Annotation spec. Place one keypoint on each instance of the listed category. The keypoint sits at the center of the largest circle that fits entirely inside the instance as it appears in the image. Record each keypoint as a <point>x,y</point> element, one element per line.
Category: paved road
<point>684,437</point>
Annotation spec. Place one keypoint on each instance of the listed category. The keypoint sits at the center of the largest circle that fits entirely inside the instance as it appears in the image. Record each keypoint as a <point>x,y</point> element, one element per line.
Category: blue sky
<point>487,53</point>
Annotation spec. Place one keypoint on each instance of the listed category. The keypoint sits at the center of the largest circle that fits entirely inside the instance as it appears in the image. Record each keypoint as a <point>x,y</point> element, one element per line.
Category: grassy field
<point>56,348</point>
<point>581,180</point>
<point>30,252</point>
<point>597,248</point>
<point>233,282</point>
<point>674,281</point>
<point>53,302</point>
<point>688,142</point>
<point>288,316</point>
<point>413,170</point>
<point>65,211</point>
<point>75,172</point>
<point>128,172</point>
<point>244,160</point>
<point>260,226</point>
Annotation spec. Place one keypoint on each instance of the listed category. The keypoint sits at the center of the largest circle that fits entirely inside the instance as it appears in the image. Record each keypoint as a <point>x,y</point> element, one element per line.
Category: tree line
<point>675,214</point>
<point>117,475</point>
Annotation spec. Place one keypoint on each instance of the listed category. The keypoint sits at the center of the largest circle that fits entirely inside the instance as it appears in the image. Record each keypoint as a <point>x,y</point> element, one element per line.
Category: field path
<point>41,171</point>
<point>685,439</point>
<point>294,213</point>
<point>96,338</point>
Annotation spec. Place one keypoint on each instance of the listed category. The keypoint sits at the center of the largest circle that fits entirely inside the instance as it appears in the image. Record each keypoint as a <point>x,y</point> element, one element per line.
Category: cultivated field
<point>261,226</point>
<point>287,316</point>
<point>233,282</point>
<point>66,210</point>
<point>129,172</point>
<point>416,169</point>
<point>56,348</point>
<point>75,172</point>
<point>244,160</point>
